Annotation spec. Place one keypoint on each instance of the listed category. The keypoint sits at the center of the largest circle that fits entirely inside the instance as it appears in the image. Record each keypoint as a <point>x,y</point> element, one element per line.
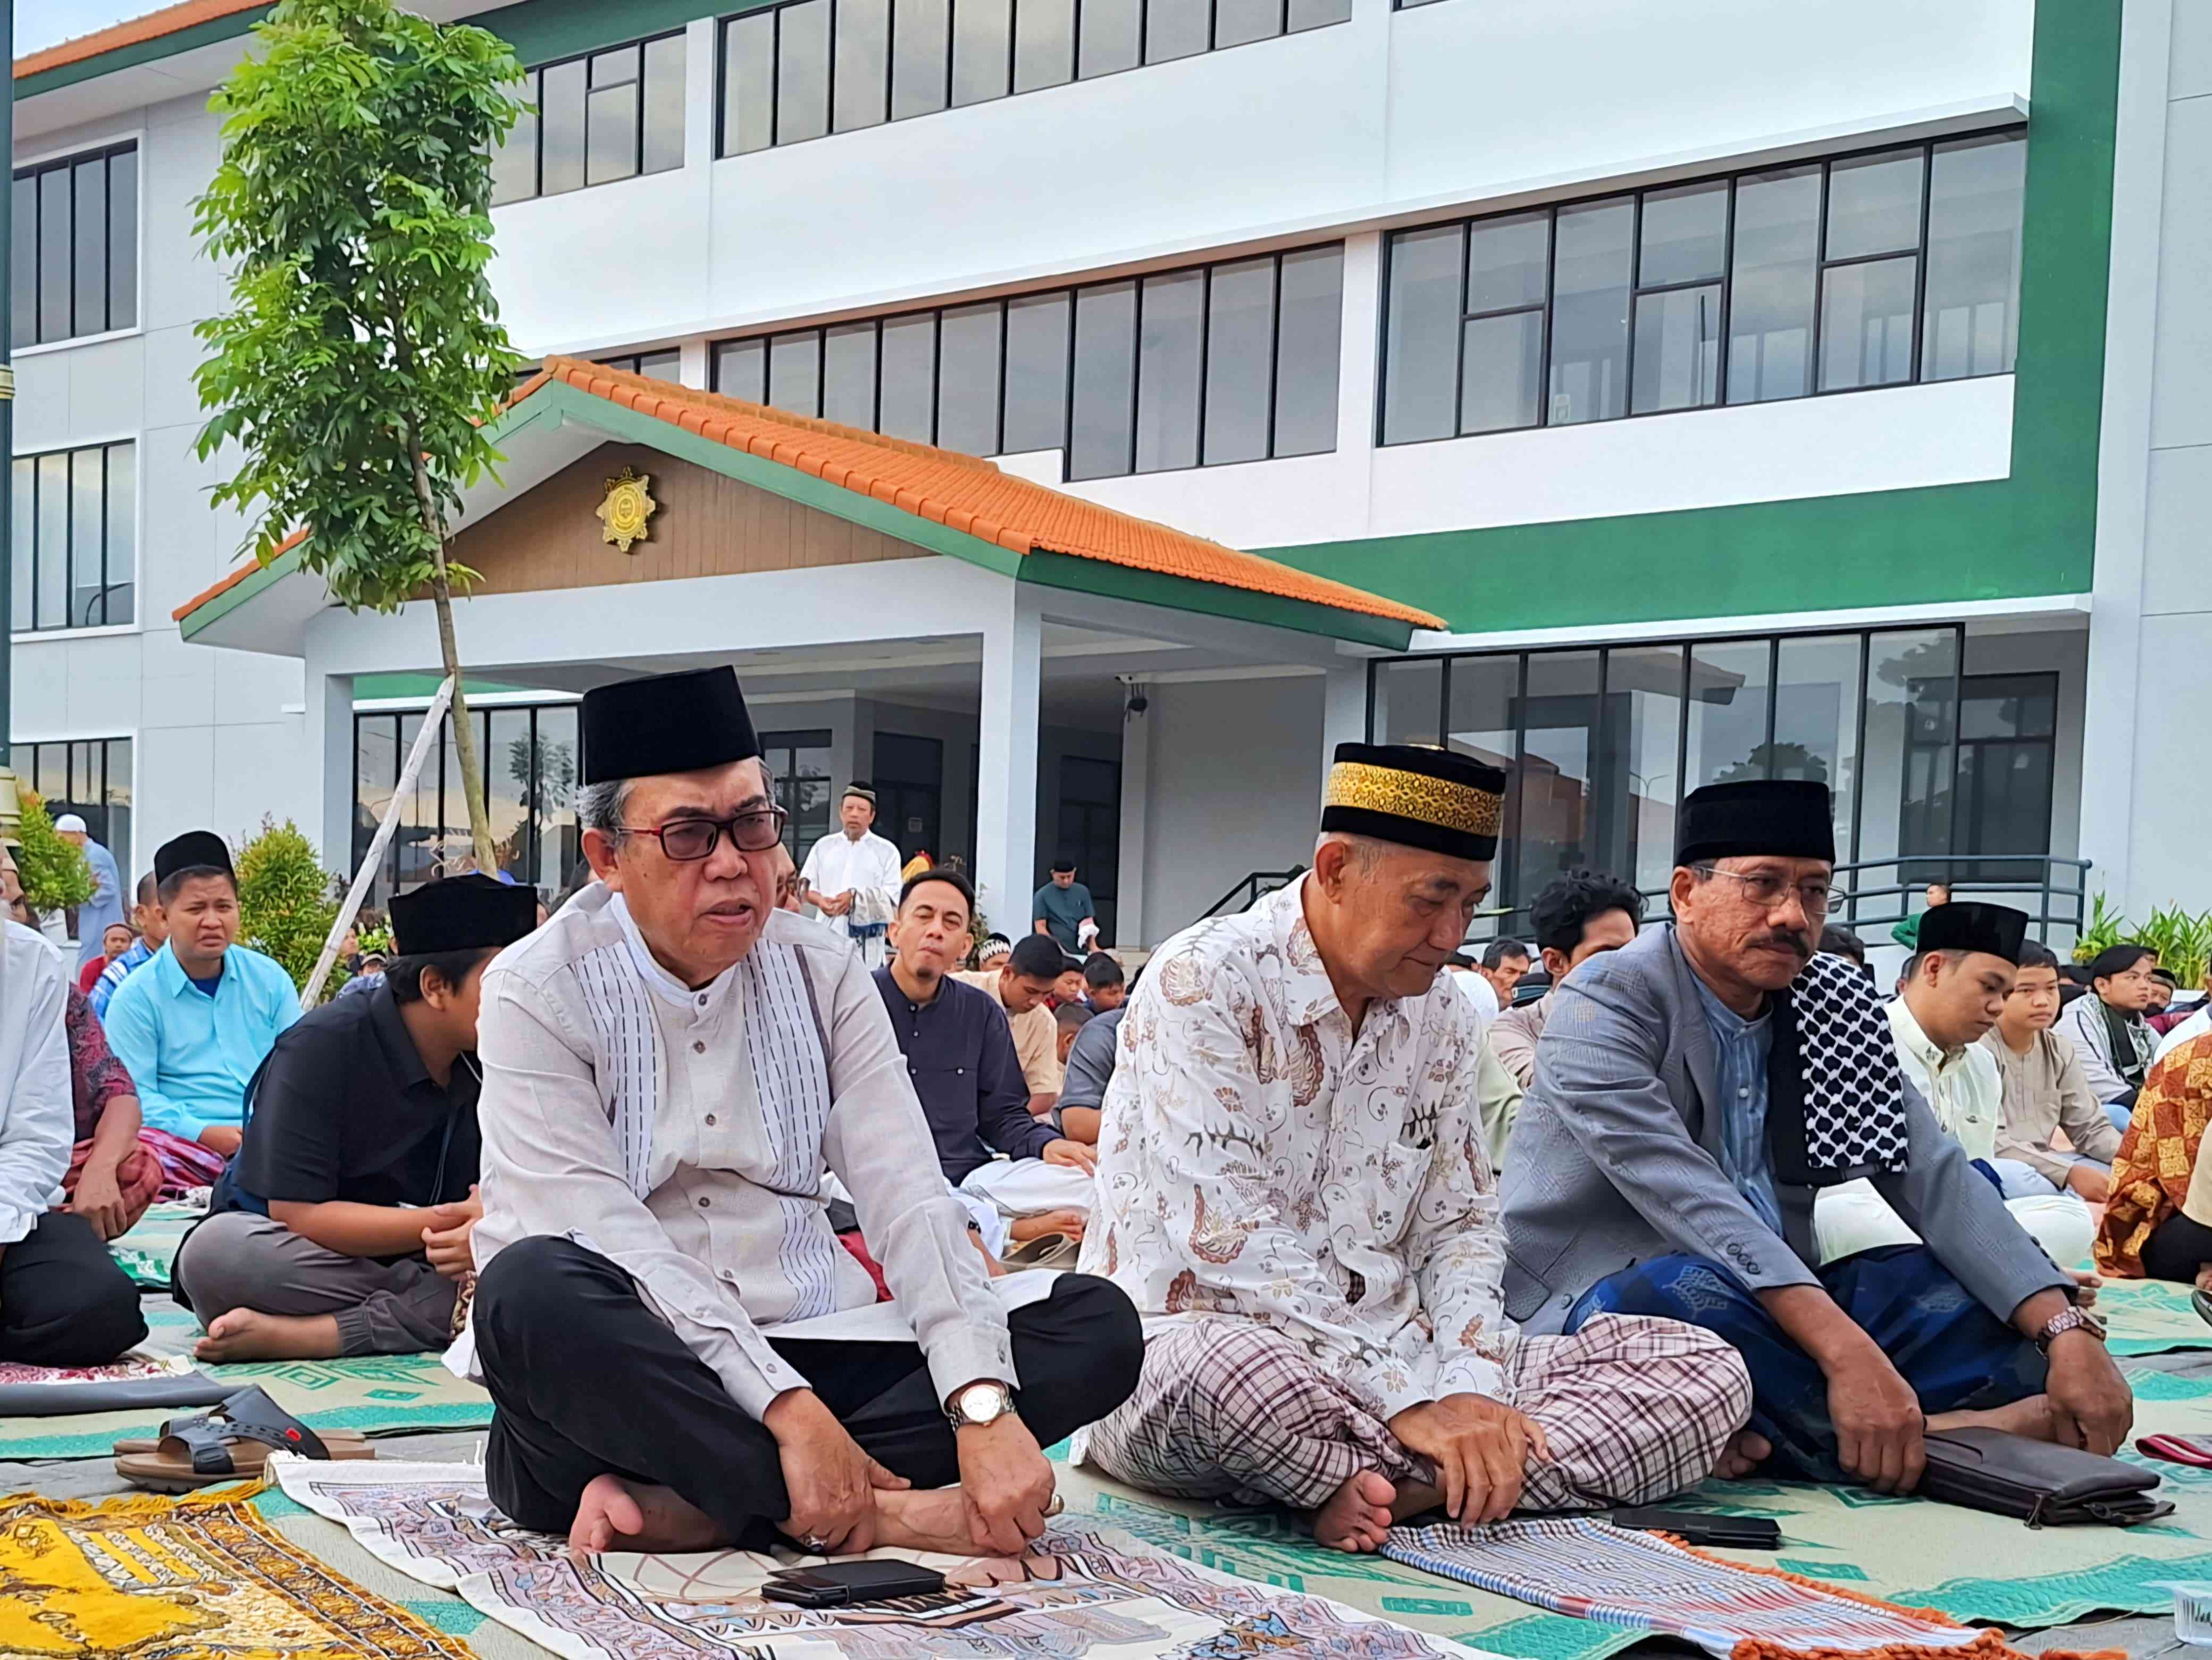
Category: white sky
<point>41,23</point>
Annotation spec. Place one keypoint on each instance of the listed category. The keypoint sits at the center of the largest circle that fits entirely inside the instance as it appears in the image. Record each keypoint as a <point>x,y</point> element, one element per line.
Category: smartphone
<point>1695,1527</point>
<point>839,1584</point>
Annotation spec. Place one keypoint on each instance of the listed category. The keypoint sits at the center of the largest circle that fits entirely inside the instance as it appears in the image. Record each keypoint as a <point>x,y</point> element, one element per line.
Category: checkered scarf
<point>1835,1093</point>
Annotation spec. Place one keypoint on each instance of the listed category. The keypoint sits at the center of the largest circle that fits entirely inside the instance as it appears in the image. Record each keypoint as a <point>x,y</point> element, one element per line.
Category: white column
<point>1343,713</point>
<point>1006,784</point>
<point>330,763</point>
<point>1129,927</point>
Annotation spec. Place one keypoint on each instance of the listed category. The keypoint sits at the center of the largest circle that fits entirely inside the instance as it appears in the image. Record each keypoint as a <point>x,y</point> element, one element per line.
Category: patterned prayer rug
<point>1085,1593</point>
<point>200,1579</point>
<point>149,1251</point>
<point>2151,1317</point>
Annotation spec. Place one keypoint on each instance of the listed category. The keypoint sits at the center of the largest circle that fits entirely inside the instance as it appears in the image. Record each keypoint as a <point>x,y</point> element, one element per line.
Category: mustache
<point>1791,940</point>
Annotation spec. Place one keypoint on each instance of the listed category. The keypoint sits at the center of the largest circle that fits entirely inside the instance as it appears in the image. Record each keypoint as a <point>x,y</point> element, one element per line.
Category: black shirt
<point>343,1109</point>
<point>960,1054</point>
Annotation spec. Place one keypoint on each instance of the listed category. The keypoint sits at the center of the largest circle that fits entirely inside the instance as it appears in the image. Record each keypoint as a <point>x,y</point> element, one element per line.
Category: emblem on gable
<point>627,510</point>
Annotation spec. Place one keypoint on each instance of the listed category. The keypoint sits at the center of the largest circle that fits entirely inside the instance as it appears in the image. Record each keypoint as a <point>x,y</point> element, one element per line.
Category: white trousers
<point>1853,1217</point>
<point>1028,1186</point>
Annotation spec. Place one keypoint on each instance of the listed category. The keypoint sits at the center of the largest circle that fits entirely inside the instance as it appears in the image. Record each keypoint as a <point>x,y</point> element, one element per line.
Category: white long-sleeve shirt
<point>38,1125</point>
<point>1259,1159</point>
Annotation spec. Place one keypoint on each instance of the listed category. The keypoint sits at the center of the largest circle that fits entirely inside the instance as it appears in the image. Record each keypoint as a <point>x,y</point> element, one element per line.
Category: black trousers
<point>587,1381</point>
<point>63,1300</point>
<point>2176,1248</point>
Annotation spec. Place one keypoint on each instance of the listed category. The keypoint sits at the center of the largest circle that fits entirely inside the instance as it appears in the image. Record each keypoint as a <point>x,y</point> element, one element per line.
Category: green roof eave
<point>216,30</point>
<point>206,615</point>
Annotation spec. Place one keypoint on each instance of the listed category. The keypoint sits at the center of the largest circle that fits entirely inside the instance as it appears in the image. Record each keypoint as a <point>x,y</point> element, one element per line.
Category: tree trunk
<point>464,732</point>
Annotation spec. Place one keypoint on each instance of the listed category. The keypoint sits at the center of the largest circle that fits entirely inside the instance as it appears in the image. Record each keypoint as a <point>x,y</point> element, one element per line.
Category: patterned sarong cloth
<point>2151,1170</point>
<point>1229,1408</point>
<point>1645,1583</point>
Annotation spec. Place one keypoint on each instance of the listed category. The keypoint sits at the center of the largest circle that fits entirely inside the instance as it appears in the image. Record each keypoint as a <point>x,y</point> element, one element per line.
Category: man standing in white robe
<point>853,877</point>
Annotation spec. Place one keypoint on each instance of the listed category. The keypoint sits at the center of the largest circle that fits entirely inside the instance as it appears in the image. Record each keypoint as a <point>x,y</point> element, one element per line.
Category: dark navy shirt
<point>961,1056</point>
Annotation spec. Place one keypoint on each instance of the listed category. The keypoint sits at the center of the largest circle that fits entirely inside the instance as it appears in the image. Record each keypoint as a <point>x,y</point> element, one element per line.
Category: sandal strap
<point>248,1415</point>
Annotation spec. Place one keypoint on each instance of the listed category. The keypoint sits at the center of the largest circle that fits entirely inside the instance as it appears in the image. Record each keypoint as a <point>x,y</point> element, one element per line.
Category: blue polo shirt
<point>960,1055</point>
<point>191,1055</point>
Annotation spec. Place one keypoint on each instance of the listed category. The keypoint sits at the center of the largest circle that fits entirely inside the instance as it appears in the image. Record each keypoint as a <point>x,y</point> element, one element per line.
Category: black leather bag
<point>2040,1481</point>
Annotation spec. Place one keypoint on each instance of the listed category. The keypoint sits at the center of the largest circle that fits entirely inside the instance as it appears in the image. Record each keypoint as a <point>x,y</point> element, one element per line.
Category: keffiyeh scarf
<point>1836,1095</point>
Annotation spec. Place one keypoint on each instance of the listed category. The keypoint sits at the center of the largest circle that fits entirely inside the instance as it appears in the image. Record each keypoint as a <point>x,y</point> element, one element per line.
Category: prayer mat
<point>2151,1317</point>
<point>149,1251</point>
<point>200,1578</point>
<point>1084,1593</point>
<point>135,1382</point>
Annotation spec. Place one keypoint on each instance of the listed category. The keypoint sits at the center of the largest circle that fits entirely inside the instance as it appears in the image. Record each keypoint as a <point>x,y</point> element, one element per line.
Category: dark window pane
<point>1308,339</point>
<point>982,49</point>
<point>561,120</point>
<point>1420,334</point>
<point>1409,702</point>
<point>91,214</point>
<point>1684,234</point>
<point>659,365</point>
<point>741,369</point>
<point>1037,373</point>
<point>1638,761</point>
<point>749,83</point>
<point>968,380</point>
<point>1678,350</point>
<point>1240,342</point>
<point>1317,14</point>
<point>1590,313</point>
<point>1506,262</point>
<point>1168,371</point>
<point>794,371</point>
<point>23,262</point>
<point>1502,384</point>
<point>1236,22</point>
<point>1778,245</point>
<point>612,116</point>
<point>664,103</point>
<point>514,163</point>
<point>1105,366</point>
<point>921,34</point>
<point>1816,720</point>
<point>88,508</point>
<point>1973,314</point>
<point>1559,742</point>
<point>1044,44</point>
<point>122,532</point>
<point>55,239</point>
<point>848,375</point>
<point>23,546</point>
<point>1110,37</point>
<point>864,59</point>
<point>122,239</point>
<point>910,377</point>
<point>1728,714</point>
<point>1175,28</point>
<point>1873,204</point>
<point>1866,324</point>
<point>802,81</point>
<point>53,536</point>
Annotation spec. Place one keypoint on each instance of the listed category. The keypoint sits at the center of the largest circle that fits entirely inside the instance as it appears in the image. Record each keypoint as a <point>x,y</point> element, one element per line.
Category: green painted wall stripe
<point>2032,533</point>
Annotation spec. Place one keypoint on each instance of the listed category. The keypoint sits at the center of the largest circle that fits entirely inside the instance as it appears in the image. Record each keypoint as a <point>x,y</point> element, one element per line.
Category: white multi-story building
<point>1676,391</point>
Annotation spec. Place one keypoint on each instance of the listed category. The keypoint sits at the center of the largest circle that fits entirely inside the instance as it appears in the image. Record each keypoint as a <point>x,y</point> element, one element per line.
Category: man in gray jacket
<point>1695,1090</point>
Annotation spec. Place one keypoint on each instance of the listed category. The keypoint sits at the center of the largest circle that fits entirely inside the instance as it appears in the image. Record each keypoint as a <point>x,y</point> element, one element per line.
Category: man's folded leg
<point>63,1300</point>
<point>241,1261</point>
<point>1029,1186</point>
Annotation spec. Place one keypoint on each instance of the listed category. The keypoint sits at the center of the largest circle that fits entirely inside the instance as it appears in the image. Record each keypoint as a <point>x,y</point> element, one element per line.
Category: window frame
<point>20,632</point>
<point>1733,178</point>
<point>25,760</point>
<point>132,143</point>
<point>533,95</point>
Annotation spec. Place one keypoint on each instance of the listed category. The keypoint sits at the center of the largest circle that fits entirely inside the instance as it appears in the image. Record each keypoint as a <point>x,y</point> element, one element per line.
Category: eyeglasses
<point>685,841</point>
<point>1818,898</point>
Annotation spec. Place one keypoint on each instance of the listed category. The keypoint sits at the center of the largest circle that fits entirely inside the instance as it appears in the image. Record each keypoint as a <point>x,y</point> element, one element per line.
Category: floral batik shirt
<point>1259,1159</point>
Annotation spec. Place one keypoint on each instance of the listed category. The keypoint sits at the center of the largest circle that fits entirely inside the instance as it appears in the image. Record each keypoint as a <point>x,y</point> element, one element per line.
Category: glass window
<point>848,375</point>
<point>907,394</point>
<point>921,42</point>
<point>514,163</point>
<point>1173,327</point>
<point>1910,742</point>
<point>1684,236</point>
<point>23,261</point>
<point>864,63</point>
<point>1678,350</point>
<point>1318,14</point>
<point>1507,260</point>
<point>1175,28</point>
<point>1874,204</point>
<point>794,371</point>
<point>1238,22</point>
<point>1639,780</point>
<point>1866,323</point>
<point>1727,713</point>
<point>613,115</point>
<point>1420,330</point>
<point>1409,701</point>
<point>983,50</point>
<point>1777,248</point>
<point>1482,712</point>
<point>87,536</point>
<point>741,370</point>
<point>555,840</point>
<point>664,103</point>
<point>968,379</point>
<point>1109,36</point>
<point>507,763</point>
<point>1589,312</point>
<point>560,122</point>
<point>52,550</point>
<point>375,774</point>
<point>56,241</point>
<point>23,543</point>
<point>1816,720</point>
<point>122,239</point>
<point>89,256</point>
<point>1972,314</point>
<point>122,552</point>
<point>1037,373</point>
<point>1239,360</point>
<point>1105,371</point>
<point>1308,350</point>
<point>749,83</point>
<point>1502,381</point>
<point>798,764</point>
<point>1558,741</point>
<point>1044,44</point>
<point>802,71</point>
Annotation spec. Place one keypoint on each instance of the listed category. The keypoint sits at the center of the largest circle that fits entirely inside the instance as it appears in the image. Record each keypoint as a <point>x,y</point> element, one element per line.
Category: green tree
<point>285,901</point>
<point>55,875</point>
<point>364,350</point>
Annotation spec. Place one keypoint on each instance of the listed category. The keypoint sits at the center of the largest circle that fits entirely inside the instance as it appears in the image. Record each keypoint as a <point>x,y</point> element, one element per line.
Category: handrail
<point>1252,889</point>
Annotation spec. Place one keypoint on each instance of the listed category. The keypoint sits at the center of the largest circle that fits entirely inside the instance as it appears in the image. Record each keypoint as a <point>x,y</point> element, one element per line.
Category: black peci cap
<point>461,912</point>
<point>1971,925</point>
<point>1771,818</point>
<point>193,850</point>
<point>665,723</point>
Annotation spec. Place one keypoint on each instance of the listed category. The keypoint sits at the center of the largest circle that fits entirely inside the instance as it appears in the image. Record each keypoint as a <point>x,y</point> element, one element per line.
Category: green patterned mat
<point>2151,1317</point>
<point>149,1251</point>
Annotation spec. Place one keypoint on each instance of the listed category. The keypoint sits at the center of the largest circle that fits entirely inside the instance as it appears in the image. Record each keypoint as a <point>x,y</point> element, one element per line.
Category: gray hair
<point>604,808</point>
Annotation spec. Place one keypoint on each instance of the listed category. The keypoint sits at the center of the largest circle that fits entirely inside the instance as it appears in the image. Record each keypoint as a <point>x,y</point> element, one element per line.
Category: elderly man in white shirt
<point>1969,954</point>
<point>1293,1191</point>
<point>63,1300</point>
<point>852,877</point>
<point>664,1317</point>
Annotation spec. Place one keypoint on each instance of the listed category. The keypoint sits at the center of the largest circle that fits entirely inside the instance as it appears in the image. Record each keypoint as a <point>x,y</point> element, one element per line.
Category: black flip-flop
<point>226,1443</point>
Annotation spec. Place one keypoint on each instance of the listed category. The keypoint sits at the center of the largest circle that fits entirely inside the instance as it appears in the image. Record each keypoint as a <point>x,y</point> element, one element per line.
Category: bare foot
<point>2030,1418</point>
<point>613,1514</point>
<point>1746,1451</point>
<point>1357,1518</point>
<point>250,1335</point>
<point>932,1519</point>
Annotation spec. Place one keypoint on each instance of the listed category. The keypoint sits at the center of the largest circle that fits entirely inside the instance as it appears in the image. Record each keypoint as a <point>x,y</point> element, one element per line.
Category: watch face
<point>982,1403</point>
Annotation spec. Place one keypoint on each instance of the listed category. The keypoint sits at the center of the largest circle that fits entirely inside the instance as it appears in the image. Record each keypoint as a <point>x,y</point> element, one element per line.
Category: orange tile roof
<point>131,32</point>
<point>963,493</point>
<point>247,567</point>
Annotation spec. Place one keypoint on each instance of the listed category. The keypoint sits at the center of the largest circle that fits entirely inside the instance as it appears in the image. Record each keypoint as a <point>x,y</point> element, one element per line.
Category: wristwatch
<point>2069,1319</point>
<point>979,1403</point>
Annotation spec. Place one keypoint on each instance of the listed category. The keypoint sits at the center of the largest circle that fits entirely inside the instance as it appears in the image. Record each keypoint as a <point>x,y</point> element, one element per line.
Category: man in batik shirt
<point>1293,1191</point>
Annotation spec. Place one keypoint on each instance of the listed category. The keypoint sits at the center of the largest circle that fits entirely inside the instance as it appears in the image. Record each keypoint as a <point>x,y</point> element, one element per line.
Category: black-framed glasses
<point>687,840</point>
<point>1818,898</point>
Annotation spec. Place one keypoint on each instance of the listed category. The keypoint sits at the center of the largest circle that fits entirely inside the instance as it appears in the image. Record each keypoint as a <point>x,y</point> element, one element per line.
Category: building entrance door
<point>910,780</point>
<point>1090,831</point>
